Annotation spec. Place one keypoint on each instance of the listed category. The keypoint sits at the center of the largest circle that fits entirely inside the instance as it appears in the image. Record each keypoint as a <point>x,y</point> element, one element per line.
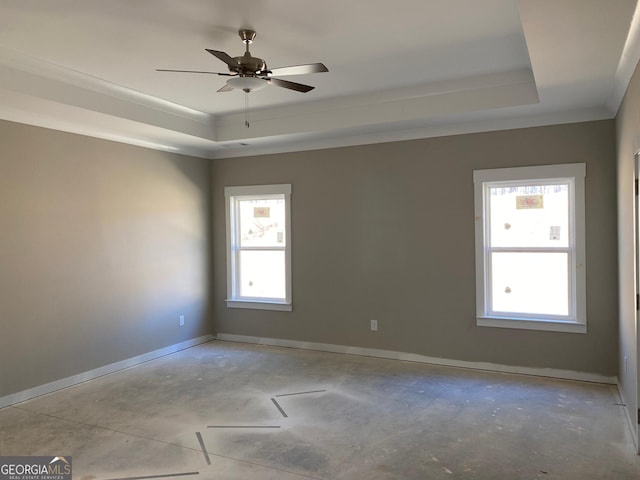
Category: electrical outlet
<point>181,321</point>
<point>374,325</point>
<point>625,364</point>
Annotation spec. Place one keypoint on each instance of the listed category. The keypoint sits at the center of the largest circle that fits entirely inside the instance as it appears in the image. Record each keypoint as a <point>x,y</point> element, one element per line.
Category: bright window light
<point>530,247</point>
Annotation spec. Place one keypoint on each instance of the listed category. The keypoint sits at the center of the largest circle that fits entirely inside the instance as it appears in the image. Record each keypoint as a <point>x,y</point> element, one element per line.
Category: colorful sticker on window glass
<point>524,202</point>
<point>261,212</point>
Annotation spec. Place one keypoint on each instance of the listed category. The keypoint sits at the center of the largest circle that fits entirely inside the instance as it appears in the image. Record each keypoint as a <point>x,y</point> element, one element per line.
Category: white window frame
<point>574,174</point>
<point>232,196</point>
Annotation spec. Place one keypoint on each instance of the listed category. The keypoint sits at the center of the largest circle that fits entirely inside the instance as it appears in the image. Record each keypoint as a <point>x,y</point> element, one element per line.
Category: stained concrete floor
<point>233,411</point>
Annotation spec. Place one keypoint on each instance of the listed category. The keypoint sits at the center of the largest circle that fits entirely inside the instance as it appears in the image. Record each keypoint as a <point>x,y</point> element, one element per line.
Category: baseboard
<point>18,397</point>
<point>413,357</point>
<point>24,395</point>
<point>630,421</point>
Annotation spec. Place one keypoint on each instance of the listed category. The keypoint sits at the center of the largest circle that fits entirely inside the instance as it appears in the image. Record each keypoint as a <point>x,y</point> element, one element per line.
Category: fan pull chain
<point>246,110</point>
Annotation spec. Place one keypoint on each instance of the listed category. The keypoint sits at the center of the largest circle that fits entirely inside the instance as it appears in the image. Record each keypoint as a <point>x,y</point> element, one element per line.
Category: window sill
<point>255,305</point>
<point>546,325</point>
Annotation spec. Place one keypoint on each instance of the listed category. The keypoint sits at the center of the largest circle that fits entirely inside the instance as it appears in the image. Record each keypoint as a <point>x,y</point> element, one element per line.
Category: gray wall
<point>102,246</point>
<point>386,232</point>
<point>628,143</point>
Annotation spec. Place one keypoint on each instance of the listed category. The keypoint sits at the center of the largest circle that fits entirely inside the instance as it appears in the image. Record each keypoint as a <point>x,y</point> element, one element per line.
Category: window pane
<point>262,222</point>
<point>262,274</point>
<point>532,283</point>
<point>529,216</point>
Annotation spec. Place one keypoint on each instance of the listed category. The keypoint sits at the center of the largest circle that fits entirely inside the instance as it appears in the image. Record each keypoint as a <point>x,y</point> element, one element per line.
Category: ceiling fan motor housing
<point>249,66</point>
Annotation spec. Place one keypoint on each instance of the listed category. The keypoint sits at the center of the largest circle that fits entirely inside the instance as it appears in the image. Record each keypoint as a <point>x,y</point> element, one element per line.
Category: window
<point>258,247</point>
<point>530,247</point>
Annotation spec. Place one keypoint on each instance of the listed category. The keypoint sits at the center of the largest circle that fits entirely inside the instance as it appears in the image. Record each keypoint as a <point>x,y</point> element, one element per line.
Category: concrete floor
<point>234,411</point>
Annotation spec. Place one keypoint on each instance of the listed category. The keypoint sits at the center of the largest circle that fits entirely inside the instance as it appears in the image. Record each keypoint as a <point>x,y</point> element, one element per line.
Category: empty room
<point>286,239</point>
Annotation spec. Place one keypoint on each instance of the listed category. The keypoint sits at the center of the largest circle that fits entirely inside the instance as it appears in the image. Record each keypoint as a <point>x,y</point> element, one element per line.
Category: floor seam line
<point>102,427</point>
<point>167,443</point>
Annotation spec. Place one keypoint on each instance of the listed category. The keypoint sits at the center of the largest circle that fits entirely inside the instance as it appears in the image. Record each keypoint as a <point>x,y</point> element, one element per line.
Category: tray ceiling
<point>397,70</point>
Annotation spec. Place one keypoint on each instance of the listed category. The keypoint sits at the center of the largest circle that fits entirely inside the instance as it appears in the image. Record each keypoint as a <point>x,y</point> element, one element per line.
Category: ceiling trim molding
<point>628,62</point>
<point>26,64</point>
<point>33,85</point>
<point>485,92</point>
<point>439,127</point>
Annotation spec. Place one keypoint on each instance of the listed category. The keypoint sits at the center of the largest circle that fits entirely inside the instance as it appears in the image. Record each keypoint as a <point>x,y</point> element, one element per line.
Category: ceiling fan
<point>251,73</point>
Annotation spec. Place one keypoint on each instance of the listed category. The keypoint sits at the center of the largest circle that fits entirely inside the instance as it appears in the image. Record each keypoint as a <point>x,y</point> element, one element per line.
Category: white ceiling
<point>397,70</point>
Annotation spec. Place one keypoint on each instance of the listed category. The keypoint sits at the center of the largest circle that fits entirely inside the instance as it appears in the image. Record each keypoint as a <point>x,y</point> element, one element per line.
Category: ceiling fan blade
<point>225,88</point>
<point>230,61</point>
<point>299,69</point>
<point>194,71</point>
<point>298,87</point>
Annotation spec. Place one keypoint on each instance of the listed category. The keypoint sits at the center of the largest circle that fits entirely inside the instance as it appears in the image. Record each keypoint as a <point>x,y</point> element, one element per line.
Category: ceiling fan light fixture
<point>247,84</point>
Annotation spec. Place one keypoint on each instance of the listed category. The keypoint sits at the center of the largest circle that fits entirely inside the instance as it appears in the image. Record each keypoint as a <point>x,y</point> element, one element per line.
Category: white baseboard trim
<point>630,421</point>
<point>413,357</point>
<point>18,397</point>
